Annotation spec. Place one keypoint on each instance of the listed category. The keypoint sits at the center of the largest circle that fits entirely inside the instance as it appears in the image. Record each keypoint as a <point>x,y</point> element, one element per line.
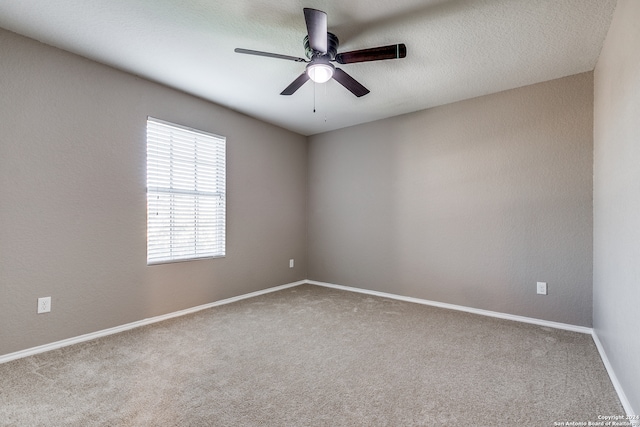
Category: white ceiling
<point>456,49</point>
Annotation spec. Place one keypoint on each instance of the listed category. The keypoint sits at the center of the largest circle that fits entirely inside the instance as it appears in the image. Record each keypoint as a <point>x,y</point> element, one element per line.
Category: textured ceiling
<point>456,49</point>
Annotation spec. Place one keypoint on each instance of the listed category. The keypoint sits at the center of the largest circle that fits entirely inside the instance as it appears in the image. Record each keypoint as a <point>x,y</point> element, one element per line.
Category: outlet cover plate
<point>542,288</point>
<point>44,305</point>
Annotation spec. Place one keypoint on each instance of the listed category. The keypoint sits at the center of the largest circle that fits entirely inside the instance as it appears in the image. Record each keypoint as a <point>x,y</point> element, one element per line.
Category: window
<point>185,193</point>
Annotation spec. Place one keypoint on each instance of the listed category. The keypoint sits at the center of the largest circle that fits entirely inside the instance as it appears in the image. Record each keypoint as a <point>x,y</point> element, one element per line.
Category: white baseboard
<point>539,322</point>
<point>128,326</point>
<point>105,332</point>
<point>614,380</point>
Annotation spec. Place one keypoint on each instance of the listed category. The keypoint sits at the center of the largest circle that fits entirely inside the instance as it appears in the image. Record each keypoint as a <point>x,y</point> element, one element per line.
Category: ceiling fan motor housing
<point>332,47</point>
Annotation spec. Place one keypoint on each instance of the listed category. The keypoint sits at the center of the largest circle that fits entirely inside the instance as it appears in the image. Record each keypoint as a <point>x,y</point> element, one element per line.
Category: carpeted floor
<point>314,356</point>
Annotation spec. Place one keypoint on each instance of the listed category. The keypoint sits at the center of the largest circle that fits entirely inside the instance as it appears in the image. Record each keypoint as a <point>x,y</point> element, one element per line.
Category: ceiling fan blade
<point>350,83</point>
<point>392,51</point>
<point>269,55</point>
<point>316,29</point>
<point>296,84</point>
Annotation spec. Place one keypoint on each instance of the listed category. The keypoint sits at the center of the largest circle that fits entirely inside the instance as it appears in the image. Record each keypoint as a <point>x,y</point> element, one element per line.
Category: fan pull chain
<point>314,96</point>
<point>325,97</point>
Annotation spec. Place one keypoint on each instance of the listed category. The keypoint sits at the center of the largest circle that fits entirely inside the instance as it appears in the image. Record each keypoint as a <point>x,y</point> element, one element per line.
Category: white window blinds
<point>185,193</point>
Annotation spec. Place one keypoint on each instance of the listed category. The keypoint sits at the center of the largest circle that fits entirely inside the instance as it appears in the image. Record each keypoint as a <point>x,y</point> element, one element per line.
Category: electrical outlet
<point>542,288</point>
<point>44,305</point>
<point>291,263</point>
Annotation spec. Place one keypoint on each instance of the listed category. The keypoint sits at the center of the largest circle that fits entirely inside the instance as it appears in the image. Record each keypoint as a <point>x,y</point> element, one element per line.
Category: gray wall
<point>616,203</point>
<point>73,208</point>
<point>469,203</point>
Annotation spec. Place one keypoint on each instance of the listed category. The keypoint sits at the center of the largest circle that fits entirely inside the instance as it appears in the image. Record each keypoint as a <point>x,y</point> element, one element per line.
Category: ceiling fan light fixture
<point>320,72</point>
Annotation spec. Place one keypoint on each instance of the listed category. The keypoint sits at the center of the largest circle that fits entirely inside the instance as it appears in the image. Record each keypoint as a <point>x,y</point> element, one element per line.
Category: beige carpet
<point>313,356</point>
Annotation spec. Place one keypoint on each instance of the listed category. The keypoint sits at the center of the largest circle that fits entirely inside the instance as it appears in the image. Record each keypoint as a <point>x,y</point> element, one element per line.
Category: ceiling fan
<point>321,48</point>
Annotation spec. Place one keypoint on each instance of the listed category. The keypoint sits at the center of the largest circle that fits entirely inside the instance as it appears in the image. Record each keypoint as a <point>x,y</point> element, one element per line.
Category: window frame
<point>186,190</point>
